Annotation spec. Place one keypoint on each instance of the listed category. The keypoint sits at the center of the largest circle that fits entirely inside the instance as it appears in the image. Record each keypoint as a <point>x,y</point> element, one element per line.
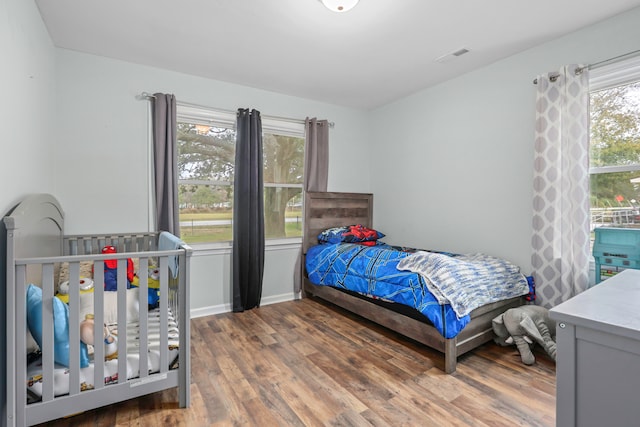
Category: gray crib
<point>37,251</point>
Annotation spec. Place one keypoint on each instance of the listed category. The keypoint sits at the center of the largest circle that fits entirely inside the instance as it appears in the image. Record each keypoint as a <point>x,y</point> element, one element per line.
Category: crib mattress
<point>61,373</point>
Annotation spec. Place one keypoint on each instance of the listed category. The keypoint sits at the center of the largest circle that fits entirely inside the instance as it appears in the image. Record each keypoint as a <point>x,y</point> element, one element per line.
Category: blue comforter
<point>371,270</point>
<point>444,287</point>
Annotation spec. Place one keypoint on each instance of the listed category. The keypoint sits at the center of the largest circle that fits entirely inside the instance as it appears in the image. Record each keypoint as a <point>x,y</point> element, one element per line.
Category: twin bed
<point>53,370</point>
<point>350,275</point>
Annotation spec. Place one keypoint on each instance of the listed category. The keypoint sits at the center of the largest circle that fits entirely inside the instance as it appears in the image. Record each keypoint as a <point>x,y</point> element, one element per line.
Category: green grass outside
<point>222,233</point>
<point>204,216</point>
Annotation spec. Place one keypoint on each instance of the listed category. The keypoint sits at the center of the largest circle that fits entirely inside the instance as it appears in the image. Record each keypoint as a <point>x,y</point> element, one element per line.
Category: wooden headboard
<point>324,210</point>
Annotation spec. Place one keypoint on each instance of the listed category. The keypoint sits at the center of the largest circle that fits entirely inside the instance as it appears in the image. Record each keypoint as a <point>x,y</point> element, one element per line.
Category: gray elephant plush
<point>524,326</point>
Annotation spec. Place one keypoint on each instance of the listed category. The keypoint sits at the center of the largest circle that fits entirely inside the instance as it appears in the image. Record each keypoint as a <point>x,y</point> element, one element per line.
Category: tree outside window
<point>615,156</point>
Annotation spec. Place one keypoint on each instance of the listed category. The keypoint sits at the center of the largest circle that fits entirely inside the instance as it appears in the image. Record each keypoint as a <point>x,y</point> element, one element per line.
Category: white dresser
<point>598,358</point>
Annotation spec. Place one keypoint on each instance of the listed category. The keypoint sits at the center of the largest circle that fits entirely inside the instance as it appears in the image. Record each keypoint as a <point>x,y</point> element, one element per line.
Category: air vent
<point>452,55</point>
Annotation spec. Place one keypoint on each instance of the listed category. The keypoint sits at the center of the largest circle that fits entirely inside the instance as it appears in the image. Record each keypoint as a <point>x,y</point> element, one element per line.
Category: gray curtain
<point>316,172</point>
<point>316,155</point>
<point>165,157</point>
<point>248,212</point>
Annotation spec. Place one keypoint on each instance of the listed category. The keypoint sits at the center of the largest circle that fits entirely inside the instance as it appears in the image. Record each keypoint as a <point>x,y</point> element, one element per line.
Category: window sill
<point>219,248</point>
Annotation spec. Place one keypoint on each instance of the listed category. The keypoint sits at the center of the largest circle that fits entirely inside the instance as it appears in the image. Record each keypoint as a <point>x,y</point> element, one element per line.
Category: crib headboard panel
<point>323,210</point>
<point>35,228</point>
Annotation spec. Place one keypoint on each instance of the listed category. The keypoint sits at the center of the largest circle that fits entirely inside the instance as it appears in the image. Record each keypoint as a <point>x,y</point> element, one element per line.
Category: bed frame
<point>35,247</point>
<point>326,209</point>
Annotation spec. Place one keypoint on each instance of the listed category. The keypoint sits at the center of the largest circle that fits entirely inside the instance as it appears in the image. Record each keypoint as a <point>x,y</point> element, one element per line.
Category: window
<point>614,154</point>
<point>206,155</point>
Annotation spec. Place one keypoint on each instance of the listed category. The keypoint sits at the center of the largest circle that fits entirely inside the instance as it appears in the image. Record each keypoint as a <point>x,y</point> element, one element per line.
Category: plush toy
<point>110,341</point>
<point>524,326</point>
<point>153,289</point>
<point>111,270</point>
<point>86,287</point>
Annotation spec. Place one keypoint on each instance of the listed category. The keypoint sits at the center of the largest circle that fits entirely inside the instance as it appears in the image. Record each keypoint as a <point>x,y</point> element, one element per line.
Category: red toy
<point>111,270</point>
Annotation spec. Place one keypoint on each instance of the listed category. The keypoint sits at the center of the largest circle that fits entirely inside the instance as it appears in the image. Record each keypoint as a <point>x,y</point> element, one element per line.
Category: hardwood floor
<point>307,363</point>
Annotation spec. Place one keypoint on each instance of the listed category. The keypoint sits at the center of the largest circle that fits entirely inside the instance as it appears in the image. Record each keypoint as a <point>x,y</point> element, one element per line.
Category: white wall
<point>101,175</point>
<point>455,161</point>
<point>27,83</point>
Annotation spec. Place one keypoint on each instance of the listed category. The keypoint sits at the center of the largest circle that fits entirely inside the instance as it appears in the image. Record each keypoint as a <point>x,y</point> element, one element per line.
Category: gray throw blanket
<point>467,281</point>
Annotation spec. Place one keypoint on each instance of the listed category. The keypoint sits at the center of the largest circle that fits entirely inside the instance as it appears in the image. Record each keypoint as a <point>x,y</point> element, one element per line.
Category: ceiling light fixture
<point>339,5</point>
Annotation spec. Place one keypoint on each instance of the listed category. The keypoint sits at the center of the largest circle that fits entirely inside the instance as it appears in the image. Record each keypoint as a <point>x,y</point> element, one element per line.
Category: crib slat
<point>90,246</point>
<point>183,317</point>
<point>122,319</point>
<point>47,333</point>
<point>164,304</point>
<point>143,292</point>
<point>20,347</point>
<point>72,246</point>
<point>115,242</point>
<point>97,245</point>
<point>98,310</point>
<point>74,328</point>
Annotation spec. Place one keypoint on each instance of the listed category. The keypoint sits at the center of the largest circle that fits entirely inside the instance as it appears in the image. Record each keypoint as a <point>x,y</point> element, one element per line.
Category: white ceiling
<point>378,52</point>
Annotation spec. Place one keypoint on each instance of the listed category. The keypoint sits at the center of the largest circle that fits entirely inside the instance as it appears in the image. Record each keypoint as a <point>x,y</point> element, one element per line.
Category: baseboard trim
<point>227,308</point>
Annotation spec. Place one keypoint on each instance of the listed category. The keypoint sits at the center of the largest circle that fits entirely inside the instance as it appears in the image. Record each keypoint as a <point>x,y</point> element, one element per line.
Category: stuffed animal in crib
<point>87,337</point>
<point>153,283</point>
<point>111,270</point>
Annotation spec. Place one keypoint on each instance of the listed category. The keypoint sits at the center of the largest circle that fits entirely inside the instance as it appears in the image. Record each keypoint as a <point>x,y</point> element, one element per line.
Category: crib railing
<point>173,300</point>
<point>93,244</point>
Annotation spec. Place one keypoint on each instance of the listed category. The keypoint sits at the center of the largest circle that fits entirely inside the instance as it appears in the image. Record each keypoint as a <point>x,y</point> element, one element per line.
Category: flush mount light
<point>339,5</point>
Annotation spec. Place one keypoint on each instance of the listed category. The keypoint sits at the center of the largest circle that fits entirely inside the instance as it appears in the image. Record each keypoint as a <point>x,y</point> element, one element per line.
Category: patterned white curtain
<point>561,219</point>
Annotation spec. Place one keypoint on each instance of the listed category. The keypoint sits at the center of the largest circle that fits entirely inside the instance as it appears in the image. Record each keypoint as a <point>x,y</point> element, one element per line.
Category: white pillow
<point>111,306</point>
<point>32,345</point>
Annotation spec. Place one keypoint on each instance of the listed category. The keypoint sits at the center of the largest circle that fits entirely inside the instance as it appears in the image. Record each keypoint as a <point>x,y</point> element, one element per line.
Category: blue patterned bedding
<point>372,271</point>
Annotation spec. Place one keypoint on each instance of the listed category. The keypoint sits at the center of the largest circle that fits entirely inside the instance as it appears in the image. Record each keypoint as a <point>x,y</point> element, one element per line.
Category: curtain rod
<point>598,64</point>
<point>147,95</point>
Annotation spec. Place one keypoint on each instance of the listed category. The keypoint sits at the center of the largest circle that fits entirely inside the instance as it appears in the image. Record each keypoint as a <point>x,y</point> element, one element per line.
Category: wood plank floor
<point>308,363</point>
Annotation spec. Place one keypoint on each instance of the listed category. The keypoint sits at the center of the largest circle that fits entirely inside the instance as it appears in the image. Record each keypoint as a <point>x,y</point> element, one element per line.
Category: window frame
<point>606,77</point>
<point>198,115</point>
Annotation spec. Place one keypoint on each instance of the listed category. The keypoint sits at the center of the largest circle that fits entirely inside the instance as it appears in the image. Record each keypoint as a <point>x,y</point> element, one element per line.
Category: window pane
<point>282,212</point>
<point>283,159</point>
<point>615,198</point>
<point>206,157</point>
<point>283,166</point>
<point>614,156</point>
<point>615,126</point>
<point>205,213</point>
<point>205,152</point>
